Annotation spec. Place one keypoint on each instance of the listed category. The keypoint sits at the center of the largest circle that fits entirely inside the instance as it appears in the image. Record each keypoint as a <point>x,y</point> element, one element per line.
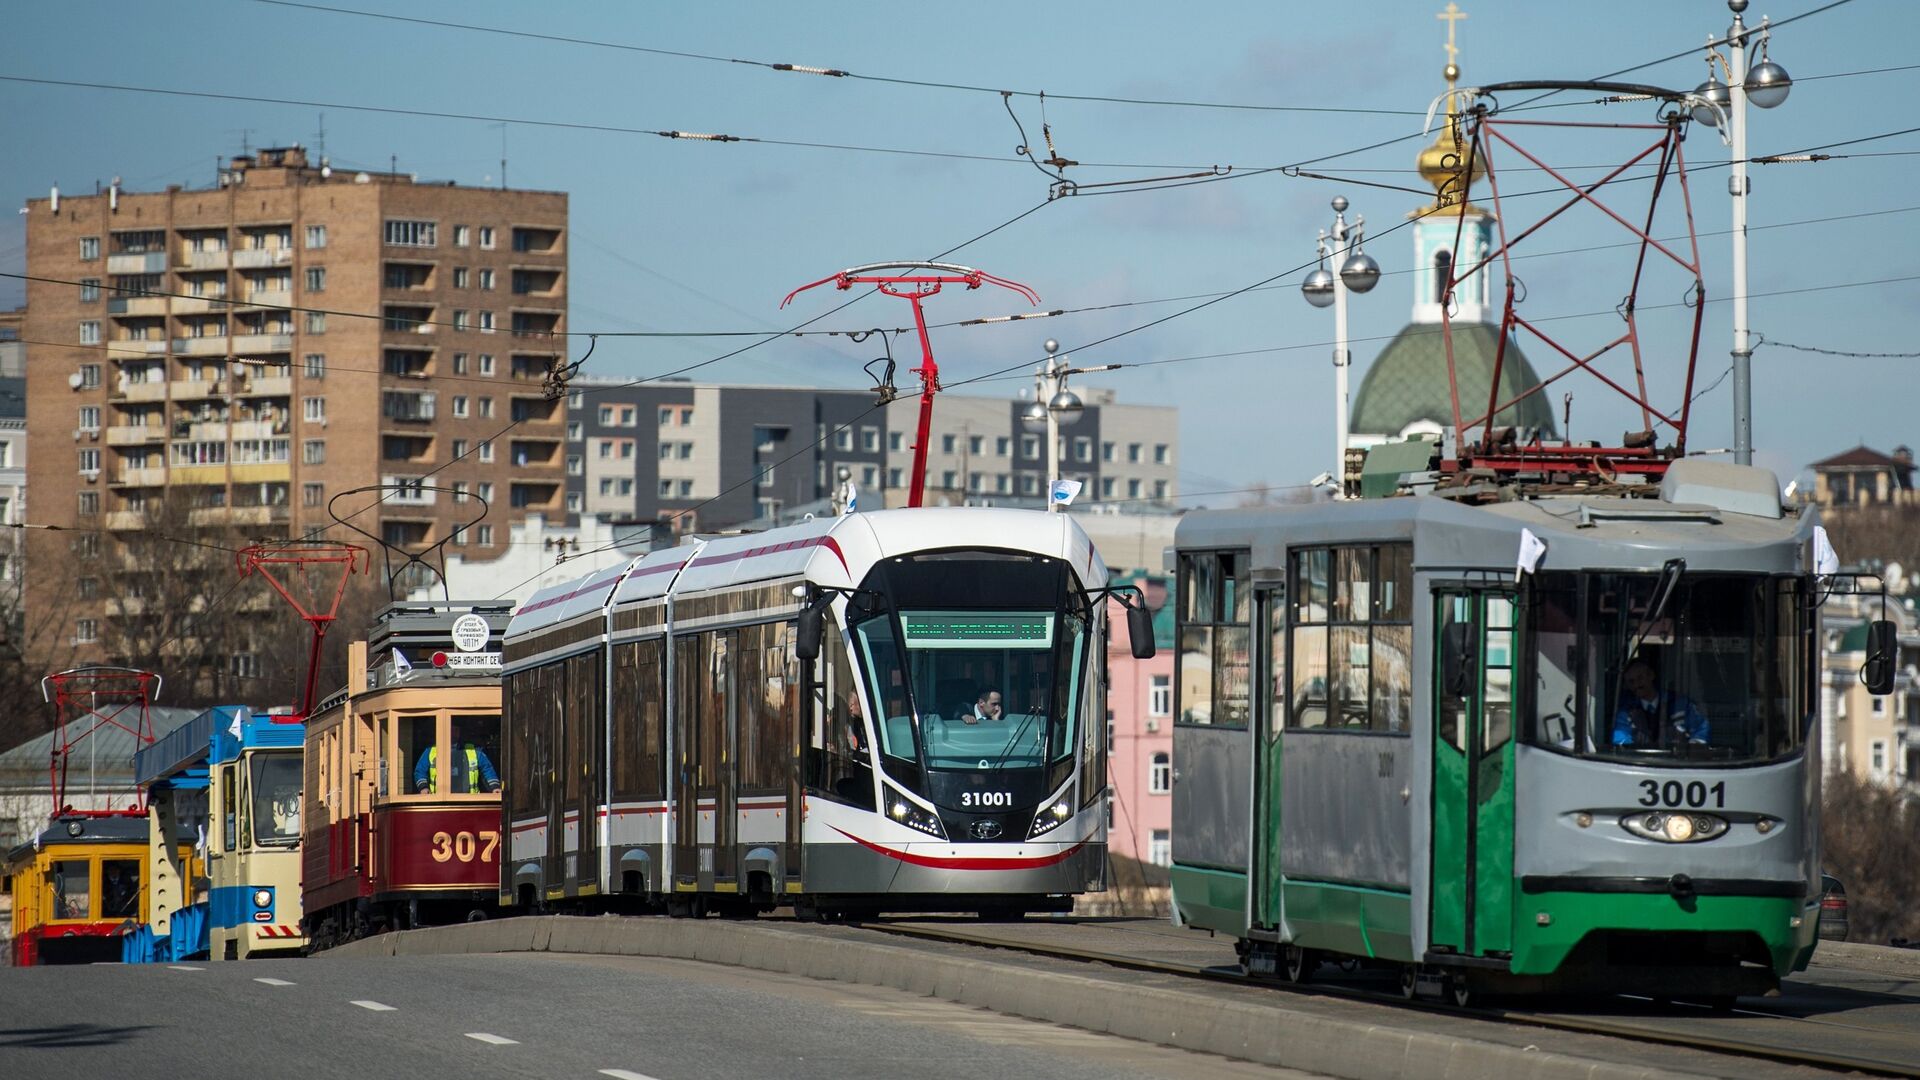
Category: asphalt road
<point>529,1014</point>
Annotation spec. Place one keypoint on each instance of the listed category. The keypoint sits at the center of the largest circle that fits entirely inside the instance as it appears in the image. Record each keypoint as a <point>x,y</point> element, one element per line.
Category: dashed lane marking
<point>374,1006</point>
<point>493,1040</point>
<point>184,967</point>
<point>622,1074</point>
<point>274,982</point>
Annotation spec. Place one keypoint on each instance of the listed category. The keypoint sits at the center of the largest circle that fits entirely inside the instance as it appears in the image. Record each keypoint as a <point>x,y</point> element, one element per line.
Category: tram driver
<point>472,769</point>
<point>987,706</point>
<point>1645,709</point>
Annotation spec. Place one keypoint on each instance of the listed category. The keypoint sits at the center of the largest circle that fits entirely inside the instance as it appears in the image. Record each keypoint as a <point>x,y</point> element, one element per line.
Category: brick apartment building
<point>294,332</point>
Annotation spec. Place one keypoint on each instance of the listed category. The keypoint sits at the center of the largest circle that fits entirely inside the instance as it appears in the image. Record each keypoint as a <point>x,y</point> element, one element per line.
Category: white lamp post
<point>1358,273</point>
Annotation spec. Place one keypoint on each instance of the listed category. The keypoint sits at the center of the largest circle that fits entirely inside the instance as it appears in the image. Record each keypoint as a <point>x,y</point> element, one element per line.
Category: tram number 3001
<point>464,846</point>
<point>986,799</point>
<point>1694,794</point>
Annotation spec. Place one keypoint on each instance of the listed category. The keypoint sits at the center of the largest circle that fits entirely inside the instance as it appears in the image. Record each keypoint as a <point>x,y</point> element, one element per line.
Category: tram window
<point>381,730</point>
<point>1392,662</point>
<point>837,755</point>
<point>1215,635</point>
<point>119,889</point>
<point>1497,712</point>
<point>638,692</point>
<point>1232,661</point>
<point>1456,623</point>
<point>1276,682</point>
<point>425,767</point>
<point>894,724</point>
<point>712,728</point>
<point>275,790</point>
<point>1351,639</point>
<point>1196,674</point>
<point>1236,588</point>
<point>229,807</point>
<point>1201,589</point>
<point>72,888</point>
<point>1309,705</point>
<point>1310,586</point>
<point>767,701</point>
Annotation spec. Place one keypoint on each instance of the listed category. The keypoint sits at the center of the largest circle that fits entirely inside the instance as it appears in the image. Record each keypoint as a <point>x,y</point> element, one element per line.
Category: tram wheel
<point>1409,982</point>
<point>1299,964</point>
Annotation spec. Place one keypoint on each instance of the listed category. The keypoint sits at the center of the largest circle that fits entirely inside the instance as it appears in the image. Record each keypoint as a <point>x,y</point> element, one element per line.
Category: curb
<point>1266,1034</point>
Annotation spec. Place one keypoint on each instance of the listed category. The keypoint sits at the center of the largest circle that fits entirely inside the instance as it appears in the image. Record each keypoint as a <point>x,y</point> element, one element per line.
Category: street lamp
<point>1358,273</point>
<point>1056,407</point>
<point>1766,85</point>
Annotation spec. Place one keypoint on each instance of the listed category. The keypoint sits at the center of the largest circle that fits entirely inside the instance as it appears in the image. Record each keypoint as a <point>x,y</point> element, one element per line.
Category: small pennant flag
<point>853,498</point>
<point>400,664</point>
<point>1532,549</point>
<point>1826,561</point>
<point>1064,491</point>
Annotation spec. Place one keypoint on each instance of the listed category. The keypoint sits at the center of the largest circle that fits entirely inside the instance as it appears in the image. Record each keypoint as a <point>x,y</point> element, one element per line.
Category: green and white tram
<point>1601,774</point>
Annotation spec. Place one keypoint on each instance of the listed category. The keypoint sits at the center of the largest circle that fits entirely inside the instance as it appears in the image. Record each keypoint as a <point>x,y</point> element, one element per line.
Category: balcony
<point>145,262</point>
<point>265,386</point>
<point>137,306</point>
<point>408,320</point>
<point>267,298</point>
<point>195,389</point>
<point>205,431</point>
<point>126,347</point>
<point>262,472</point>
<point>134,434</point>
<point>254,344</point>
<point>260,429</point>
<point>197,305</point>
<point>238,515</point>
<point>200,474</point>
<point>406,407</point>
<point>202,260</point>
<point>201,346</point>
<point>122,520</point>
<point>140,477</point>
<point>141,391</point>
<point>261,258</point>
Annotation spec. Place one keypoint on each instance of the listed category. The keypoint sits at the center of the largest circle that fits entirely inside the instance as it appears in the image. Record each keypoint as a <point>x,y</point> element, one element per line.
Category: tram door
<point>1473,706</point>
<point>1270,720</point>
<point>689,676</point>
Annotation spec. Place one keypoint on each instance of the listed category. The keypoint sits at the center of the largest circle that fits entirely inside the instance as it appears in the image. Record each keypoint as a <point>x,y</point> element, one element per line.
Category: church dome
<point>1444,165</point>
<point>1407,384</point>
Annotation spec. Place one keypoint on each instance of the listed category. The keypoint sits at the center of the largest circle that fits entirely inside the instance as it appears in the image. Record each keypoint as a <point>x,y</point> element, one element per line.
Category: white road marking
<point>183,967</point>
<point>622,1074</point>
<point>374,1006</point>
<point>494,1040</point>
<point>274,982</point>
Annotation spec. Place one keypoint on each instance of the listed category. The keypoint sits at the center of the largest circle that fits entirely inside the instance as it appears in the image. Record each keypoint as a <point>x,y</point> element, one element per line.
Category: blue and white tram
<point>808,716</point>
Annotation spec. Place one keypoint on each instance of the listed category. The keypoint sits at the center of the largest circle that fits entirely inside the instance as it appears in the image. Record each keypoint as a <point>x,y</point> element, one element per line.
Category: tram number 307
<point>464,846</point>
<point>1694,794</point>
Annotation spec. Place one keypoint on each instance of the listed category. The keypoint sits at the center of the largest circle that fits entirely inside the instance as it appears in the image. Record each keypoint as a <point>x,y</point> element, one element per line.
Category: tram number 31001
<point>1694,794</point>
<point>464,846</point>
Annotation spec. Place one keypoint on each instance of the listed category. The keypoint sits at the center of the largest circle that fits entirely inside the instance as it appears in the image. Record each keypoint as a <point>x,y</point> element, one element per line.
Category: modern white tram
<point>808,716</point>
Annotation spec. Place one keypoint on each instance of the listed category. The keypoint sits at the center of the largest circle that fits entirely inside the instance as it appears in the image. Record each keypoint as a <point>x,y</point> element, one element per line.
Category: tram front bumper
<point>1550,927</point>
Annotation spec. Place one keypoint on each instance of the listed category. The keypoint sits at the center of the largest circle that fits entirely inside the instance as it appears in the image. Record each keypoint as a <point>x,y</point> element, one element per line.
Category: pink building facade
<point>1140,733</point>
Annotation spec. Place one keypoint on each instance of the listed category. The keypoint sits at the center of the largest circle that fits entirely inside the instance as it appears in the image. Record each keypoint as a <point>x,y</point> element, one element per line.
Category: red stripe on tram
<point>956,862</point>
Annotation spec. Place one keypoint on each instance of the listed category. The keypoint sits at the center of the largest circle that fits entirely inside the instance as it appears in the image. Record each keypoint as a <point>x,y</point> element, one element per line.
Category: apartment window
<point>1133,453</point>
<point>843,439</point>
<point>89,503</point>
<point>626,486</point>
<point>627,417</point>
<point>486,451</point>
<point>483,534</point>
<point>459,319</point>
<point>666,417</point>
<point>486,236</point>
<point>1160,774</point>
<point>86,545</point>
<point>1160,696</point>
<point>89,588</point>
<point>486,408</point>
<point>1029,446</point>
<point>90,332</point>
<point>896,440</point>
<point>89,248</point>
<point>316,365</point>
<point>316,279</point>
<point>606,416</point>
<point>1003,446</point>
<point>626,448</point>
<point>1879,758</point>
<point>1082,448</point>
<point>314,409</point>
<point>461,235</point>
<point>576,465</point>
<point>666,489</point>
<point>484,491</point>
<point>459,449</point>
<point>947,443</point>
<point>1002,483</point>
<point>313,452</point>
<point>460,405</point>
<point>486,278</point>
<point>870,475</point>
<point>89,421</point>
<point>89,290</point>
<point>1879,706</point>
<point>895,478</point>
<point>1106,451</point>
<point>403,233</point>
<point>1161,453</point>
<point>1133,489</point>
<point>870,439</point>
<point>460,277</point>
<point>1029,484</point>
<point>949,480</point>
<point>89,461</point>
<point>486,321</point>
<point>316,236</point>
<point>1106,487</point>
<point>316,322</point>
<point>459,363</point>
<point>686,489</point>
<point>1160,847</point>
<point>686,416</point>
<point>684,451</point>
<point>86,631</point>
<point>312,494</point>
<point>606,485</point>
<point>486,364</point>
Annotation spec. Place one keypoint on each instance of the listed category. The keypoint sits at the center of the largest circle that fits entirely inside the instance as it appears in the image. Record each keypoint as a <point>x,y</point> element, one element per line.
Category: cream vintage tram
<point>790,717</point>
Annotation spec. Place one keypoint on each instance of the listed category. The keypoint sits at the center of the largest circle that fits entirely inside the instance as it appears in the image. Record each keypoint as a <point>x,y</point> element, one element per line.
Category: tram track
<point>1781,1051</point>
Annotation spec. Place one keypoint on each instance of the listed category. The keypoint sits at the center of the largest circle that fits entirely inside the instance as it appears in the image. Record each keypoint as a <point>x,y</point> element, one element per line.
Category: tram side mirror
<point>813,624</point>
<point>1140,630</point>
<point>1456,659</point>
<point>1883,657</point>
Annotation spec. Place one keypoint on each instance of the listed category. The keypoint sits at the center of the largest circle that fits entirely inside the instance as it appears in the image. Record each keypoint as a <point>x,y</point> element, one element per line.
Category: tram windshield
<point>974,662</point>
<point>1718,673</point>
<point>276,799</point>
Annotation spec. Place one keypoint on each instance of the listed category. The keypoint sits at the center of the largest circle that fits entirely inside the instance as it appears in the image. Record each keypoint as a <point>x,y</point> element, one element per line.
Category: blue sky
<point>677,235</point>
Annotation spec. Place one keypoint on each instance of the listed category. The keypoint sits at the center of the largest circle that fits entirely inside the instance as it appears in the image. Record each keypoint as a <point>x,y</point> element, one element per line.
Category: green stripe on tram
<point>1211,898</point>
<point>1358,920</point>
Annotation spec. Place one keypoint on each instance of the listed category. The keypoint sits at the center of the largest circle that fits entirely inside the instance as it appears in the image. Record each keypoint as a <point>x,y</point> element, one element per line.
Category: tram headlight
<point>912,816</point>
<point>262,898</point>
<point>1050,818</point>
<point>1674,827</point>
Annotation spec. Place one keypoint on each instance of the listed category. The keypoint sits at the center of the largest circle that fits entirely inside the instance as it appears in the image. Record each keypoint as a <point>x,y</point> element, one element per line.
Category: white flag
<point>233,729</point>
<point>1063,492</point>
<point>400,664</point>
<point>853,498</point>
<point>1826,561</point>
<point>1532,549</point>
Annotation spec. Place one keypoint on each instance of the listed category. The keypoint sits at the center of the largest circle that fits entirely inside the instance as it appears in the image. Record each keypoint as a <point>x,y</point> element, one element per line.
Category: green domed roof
<point>1408,382</point>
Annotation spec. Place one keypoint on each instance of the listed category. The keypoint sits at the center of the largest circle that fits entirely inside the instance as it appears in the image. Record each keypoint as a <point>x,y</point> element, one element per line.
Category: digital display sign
<point>978,629</point>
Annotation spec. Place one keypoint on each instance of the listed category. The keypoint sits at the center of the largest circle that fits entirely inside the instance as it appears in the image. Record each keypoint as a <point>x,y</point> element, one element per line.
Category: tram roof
<point>217,735</point>
<point>834,550</point>
<point>111,752</point>
<point>1580,531</point>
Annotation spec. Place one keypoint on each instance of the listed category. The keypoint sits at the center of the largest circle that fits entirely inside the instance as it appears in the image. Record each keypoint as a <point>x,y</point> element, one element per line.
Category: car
<point>1833,908</point>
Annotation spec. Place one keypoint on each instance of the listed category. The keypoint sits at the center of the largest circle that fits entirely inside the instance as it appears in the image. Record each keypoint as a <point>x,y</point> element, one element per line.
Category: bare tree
<point>1870,840</point>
